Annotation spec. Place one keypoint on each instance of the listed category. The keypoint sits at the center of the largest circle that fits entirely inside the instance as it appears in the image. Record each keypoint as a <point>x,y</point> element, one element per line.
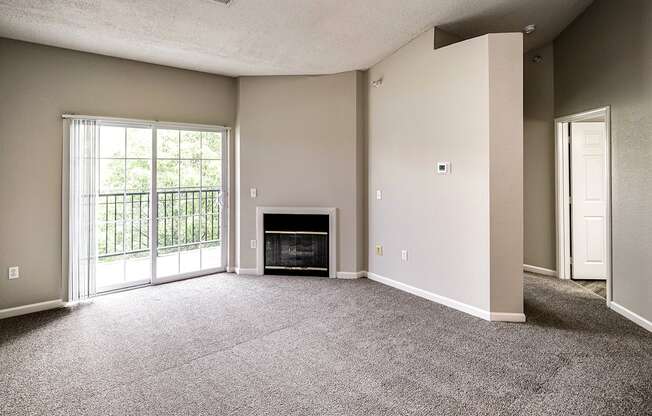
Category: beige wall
<point>300,142</point>
<point>434,105</point>
<point>38,84</point>
<point>461,104</point>
<point>506,171</point>
<point>605,58</point>
<point>539,159</point>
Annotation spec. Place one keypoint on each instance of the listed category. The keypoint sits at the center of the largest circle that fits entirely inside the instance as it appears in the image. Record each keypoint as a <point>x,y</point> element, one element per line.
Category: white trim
<point>122,286</point>
<point>65,211</point>
<point>351,275</point>
<point>451,303</point>
<point>562,193</point>
<point>226,192</point>
<point>187,275</point>
<point>539,270</point>
<point>34,307</point>
<point>585,115</point>
<point>250,272</point>
<point>332,233</point>
<point>169,124</point>
<point>507,317</point>
<point>230,269</point>
<point>153,219</point>
<point>637,319</point>
<point>223,201</point>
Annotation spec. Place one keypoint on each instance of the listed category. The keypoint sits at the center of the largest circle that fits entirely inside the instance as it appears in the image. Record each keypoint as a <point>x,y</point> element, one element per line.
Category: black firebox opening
<point>296,244</point>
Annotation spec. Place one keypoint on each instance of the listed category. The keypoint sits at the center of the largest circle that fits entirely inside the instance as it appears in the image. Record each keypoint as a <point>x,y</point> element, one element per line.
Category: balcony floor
<point>122,272</point>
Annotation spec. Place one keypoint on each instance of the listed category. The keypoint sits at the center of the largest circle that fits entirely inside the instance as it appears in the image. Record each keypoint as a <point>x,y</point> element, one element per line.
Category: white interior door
<point>589,200</point>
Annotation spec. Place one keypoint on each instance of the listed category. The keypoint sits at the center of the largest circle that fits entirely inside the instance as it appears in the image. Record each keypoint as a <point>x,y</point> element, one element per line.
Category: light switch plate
<point>443,168</point>
<point>253,192</point>
<point>253,243</point>
<point>404,255</point>
<point>379,194</point>
<point>379,250</point>
<point>14,272</point>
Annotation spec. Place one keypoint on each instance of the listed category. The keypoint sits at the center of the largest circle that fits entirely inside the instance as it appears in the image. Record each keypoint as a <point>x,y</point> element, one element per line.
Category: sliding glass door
<point>159,208</point>
<point>189,214</point>
<point>122,206</point>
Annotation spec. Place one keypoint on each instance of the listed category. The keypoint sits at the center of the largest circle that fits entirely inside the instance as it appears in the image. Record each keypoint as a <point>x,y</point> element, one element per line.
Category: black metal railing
<point>186,217</point>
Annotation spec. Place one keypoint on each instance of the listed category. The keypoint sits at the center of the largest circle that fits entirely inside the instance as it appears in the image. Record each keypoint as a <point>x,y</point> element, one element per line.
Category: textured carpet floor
<point>226,345</point>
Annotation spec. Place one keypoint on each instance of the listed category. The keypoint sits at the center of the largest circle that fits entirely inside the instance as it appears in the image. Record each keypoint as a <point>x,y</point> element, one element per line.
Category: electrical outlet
<point>253,192</point>
<point>253,243</point>
<point>379,194</point>
<point>404,255</point>
<point>379,250</point>
<point>14,272</point>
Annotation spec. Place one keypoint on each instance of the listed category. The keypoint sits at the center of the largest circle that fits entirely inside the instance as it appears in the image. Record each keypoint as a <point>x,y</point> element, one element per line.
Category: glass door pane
<point>123,207</point>
<point>211,219</point>
<point>189,181</point>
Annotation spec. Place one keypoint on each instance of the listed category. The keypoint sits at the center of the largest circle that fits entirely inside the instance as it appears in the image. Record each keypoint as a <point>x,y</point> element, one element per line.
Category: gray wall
<point>605,58</point>
<point>434,105</point>
<point>38,84</point>
<point>539,159</point>
<point>300,142</point>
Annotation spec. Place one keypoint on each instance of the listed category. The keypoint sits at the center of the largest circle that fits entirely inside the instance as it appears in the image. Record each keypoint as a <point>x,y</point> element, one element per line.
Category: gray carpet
<point>226,345</point>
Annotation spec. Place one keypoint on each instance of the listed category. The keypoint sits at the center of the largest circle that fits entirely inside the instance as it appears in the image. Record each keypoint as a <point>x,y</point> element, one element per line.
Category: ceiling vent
<point>224,2</point>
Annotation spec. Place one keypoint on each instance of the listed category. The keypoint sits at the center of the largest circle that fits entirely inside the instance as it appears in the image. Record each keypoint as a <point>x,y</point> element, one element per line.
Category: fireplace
<point>296,244</point>
<point>296,241</point>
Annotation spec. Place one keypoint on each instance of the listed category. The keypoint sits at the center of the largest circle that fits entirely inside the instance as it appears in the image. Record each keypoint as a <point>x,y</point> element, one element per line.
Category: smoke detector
<point>529,29</point>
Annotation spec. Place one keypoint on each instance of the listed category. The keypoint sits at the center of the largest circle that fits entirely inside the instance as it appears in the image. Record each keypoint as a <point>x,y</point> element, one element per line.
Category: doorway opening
<point>583,192</point>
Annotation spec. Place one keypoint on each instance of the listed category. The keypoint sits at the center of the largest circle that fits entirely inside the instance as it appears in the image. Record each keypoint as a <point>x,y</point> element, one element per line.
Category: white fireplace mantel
<point>332,233</point>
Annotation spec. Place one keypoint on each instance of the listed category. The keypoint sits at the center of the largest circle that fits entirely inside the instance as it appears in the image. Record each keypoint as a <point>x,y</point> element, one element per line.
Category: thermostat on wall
<point>443,168</point>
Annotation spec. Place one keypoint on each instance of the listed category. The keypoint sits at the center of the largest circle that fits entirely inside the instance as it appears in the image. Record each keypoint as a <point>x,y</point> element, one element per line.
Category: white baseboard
<point>250,272</point>
<point>539,270</point>
<point>351,275</point>
<point>451,303</point>
<point>230,269</point>
<point>34,307</point>
<point>637,319</point>
<point>507,317</point>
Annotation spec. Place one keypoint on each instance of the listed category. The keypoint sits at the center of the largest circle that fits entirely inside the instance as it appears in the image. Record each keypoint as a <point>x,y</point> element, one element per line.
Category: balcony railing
<point>187,218</point>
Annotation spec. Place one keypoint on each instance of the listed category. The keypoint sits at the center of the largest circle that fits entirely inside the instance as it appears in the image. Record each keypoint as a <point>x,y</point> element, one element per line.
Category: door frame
<point>562,190</point>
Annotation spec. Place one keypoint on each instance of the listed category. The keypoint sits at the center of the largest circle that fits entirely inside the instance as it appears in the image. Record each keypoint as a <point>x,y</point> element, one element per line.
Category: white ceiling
<point>269,37</point>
